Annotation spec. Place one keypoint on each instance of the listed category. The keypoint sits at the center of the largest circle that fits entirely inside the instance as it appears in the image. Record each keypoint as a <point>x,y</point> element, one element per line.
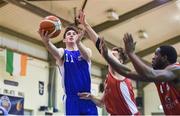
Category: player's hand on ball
<point>44,35</point>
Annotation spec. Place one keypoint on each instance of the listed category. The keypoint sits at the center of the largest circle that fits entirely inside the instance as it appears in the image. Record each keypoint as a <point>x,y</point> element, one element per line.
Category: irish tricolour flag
<point>16,64</point>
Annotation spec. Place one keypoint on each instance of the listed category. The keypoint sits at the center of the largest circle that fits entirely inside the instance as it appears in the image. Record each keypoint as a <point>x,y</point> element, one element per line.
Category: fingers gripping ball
<point>52,24</point>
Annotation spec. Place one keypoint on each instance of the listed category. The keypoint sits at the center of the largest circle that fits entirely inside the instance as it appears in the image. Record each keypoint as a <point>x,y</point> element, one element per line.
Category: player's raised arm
<point>91,33</point>
<point>145,70</point>
<point>49,28</point>
<point>55,52</point>
<point>85,52</point>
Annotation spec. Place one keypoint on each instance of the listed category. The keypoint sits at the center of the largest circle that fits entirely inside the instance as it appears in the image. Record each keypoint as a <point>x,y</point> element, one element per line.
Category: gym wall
<point>37,70</point>
<point>152,104</point>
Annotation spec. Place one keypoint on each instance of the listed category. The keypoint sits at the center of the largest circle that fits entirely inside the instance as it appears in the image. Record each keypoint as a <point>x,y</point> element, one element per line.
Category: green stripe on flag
<point>9,61</point>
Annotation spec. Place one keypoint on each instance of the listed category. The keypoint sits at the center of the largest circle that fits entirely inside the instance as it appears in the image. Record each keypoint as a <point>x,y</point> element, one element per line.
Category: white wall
<point>151,100</point>
<point>60,93</point>
<point>23,46</point>
<point>37,70</point>
<point>95,81</point>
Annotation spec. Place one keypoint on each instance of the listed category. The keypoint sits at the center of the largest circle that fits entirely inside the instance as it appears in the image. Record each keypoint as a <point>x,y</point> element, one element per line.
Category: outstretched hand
<point>85,95</point>
<point>44,35</point>
<point>103,48</point>
<point>81,18</point>
<point>129,43</point>
<point>80,36</point>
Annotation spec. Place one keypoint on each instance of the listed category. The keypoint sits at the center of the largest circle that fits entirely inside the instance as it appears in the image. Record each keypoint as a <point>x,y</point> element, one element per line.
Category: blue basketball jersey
<point>75,73</point>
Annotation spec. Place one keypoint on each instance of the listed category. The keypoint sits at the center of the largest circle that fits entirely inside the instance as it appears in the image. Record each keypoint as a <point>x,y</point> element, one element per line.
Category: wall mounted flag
<point>16,64</point>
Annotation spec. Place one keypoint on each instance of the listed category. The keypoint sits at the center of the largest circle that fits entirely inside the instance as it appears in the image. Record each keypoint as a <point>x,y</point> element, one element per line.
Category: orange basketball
<point>52,24</point>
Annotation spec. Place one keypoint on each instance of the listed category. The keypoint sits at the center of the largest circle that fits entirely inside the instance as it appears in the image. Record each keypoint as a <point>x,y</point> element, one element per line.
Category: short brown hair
<point>70,28</point>
<point>122,53</point>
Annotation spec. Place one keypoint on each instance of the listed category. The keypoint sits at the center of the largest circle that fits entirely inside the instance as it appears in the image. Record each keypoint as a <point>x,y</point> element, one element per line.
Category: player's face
<point>116,54</point>
<point>71,36</point>
<point>157,62</point>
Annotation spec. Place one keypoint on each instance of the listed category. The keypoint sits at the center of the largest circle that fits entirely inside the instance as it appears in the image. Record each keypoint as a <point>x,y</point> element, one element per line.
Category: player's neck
<point>171,65</point>
<point>116,75</point>
<point>71,47</point>
<point>162,66</point>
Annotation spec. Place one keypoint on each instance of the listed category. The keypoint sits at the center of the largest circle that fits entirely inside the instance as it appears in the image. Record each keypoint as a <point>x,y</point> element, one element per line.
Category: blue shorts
<point>76,106</point>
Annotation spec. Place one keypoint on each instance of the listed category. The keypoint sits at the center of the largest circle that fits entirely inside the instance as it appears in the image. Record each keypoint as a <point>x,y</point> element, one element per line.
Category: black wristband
<point>97,45</point>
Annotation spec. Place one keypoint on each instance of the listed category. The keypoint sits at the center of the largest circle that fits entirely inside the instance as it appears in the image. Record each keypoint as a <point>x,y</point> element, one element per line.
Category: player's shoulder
<point>89,50</point>
<point>61,50</point>
<point>173,67</point>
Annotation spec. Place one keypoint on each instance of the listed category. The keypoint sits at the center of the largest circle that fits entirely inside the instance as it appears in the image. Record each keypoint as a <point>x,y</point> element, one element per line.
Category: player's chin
<point>72,42</point>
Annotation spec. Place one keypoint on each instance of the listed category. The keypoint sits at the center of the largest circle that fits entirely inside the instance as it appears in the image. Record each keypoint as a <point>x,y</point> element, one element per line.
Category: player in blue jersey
<point>74,64</point>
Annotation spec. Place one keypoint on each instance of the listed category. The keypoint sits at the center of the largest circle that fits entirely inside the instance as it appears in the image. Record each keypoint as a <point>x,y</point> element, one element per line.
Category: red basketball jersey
<point>170,97</point>
<point>119,97</point>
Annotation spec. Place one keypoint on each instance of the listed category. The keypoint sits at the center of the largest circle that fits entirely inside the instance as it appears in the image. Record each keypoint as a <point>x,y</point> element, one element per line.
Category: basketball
<point>52,24</point>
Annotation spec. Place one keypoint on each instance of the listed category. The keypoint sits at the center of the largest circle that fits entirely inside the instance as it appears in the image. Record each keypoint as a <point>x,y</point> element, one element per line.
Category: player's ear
<point>164,58</point>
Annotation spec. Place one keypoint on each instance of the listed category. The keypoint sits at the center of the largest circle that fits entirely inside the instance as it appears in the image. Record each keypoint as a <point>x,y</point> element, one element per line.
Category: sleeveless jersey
<point>75,73</point>
<point>119,97</point>
<point>170,97</point>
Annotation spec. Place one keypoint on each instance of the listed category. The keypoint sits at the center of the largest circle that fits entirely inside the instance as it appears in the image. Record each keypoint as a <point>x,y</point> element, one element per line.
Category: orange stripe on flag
<point>23,65</point>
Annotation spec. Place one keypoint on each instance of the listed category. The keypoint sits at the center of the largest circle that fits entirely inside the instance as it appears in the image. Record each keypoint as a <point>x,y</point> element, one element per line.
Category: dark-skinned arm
<point>145,70</point>
<point>117,66</point>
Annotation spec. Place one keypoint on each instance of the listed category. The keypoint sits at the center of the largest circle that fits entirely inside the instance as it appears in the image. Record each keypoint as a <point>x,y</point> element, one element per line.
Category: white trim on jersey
<point>61,70</point>
<point>89,67</point>
<point>64,103</point>
<point>125,92</point>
